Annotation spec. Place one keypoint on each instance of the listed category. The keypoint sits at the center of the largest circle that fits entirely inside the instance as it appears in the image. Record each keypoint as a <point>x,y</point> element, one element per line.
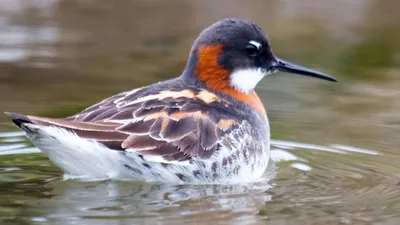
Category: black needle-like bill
<point>284,66</point>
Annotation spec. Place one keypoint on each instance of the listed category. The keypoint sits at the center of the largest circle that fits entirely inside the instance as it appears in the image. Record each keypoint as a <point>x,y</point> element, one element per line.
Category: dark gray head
<point>235,54</point>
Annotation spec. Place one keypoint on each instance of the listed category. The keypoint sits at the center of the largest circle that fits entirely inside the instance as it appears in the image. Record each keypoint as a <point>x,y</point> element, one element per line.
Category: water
<point>335,152</point>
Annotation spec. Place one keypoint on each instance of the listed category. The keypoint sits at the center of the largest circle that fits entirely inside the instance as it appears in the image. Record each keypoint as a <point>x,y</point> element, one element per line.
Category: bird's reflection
<point>150,201</point>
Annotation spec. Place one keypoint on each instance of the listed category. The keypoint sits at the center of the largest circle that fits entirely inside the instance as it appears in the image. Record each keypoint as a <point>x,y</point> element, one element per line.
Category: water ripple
<point>327,183</point>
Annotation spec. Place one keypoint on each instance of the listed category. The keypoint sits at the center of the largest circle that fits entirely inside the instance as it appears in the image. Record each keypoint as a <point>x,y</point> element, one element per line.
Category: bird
<point>206,125</point>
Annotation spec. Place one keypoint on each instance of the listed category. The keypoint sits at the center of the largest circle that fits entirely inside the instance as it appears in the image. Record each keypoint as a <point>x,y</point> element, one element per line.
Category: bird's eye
<point>251,50</point>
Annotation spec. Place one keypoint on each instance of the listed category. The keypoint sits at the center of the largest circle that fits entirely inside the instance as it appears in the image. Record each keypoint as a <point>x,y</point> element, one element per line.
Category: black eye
<point>251,50</point>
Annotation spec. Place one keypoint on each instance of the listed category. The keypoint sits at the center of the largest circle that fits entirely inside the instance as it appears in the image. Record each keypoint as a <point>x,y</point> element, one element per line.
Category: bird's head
<point>234,55</point>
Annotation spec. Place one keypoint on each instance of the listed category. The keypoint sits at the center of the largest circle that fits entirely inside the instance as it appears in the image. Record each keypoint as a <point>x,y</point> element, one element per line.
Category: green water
<point>336,151</point>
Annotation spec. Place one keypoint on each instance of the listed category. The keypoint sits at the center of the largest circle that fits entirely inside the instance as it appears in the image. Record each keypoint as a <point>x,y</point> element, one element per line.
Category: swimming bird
<point>206,126</point>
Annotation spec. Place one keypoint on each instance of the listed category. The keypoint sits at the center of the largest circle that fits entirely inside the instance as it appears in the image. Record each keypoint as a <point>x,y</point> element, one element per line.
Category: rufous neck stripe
<point>216,77</point>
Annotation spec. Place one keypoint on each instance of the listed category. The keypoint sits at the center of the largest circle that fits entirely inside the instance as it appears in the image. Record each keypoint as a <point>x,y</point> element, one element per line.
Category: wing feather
<point>175,125</point>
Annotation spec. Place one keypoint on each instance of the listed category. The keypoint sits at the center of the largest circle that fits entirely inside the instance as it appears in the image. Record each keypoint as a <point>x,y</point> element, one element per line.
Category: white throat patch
<point>245,80</point>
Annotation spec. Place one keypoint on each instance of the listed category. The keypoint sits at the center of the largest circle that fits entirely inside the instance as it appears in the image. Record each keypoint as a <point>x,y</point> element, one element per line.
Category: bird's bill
<point>288,67</point>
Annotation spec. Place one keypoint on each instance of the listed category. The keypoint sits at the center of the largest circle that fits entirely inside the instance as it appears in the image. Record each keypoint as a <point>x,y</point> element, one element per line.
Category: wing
<point>176,125</point>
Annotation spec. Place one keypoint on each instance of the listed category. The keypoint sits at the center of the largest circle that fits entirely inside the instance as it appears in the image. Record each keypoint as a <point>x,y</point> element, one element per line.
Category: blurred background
<point>336,149</point>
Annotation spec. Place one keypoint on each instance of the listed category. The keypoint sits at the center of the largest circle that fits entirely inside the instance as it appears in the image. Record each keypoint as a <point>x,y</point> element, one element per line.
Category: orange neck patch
<point>209,71</point>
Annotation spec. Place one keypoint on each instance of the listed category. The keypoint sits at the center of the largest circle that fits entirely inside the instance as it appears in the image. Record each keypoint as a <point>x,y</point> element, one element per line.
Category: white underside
<point>85,159</point>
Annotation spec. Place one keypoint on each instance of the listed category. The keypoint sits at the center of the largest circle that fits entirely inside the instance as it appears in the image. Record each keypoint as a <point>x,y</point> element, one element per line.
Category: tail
<point>19,119</point>
<point>101,132</point>
<point>65,123</point>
